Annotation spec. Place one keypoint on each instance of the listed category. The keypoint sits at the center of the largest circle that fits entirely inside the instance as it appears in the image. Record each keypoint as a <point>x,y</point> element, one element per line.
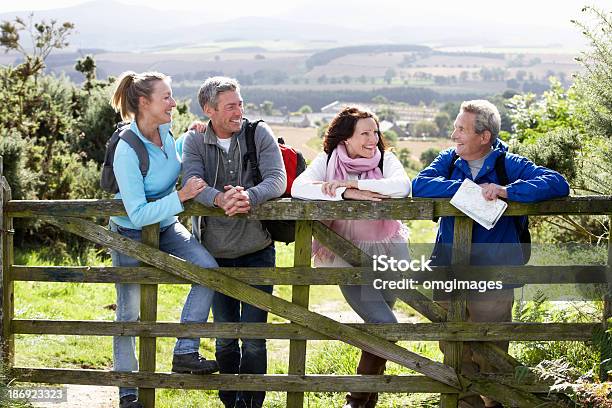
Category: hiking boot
<point>369,364</point>
<point>193,363</point>
<point>129,401</point>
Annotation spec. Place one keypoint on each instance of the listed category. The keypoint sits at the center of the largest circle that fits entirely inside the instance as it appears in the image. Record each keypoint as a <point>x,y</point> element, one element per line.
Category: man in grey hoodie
<point>219,156</point>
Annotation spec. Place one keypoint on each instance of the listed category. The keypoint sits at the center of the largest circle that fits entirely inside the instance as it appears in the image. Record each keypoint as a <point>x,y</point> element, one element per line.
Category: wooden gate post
<point>300,296</point>
<point>606,346</point>
<point>148,313</point>
<point>453,352</point>
<point>7,293</point>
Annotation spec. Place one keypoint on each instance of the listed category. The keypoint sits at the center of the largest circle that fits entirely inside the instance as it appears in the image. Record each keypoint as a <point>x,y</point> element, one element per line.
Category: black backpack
<point>108,182</point>
<point>521,222</point>
<point>280,230</point>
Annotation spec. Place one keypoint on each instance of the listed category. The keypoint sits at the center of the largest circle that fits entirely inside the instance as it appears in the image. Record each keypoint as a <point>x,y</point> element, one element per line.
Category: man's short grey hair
<point>487,116</point>
<point>212,87</point>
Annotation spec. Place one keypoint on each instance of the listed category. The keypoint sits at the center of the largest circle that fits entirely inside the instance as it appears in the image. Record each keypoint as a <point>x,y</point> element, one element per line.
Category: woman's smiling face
<point>159,105</point>
<point>364,141</point>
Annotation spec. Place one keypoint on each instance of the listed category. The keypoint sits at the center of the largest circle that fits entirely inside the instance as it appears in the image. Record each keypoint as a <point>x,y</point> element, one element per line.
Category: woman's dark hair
<point>343,125</point>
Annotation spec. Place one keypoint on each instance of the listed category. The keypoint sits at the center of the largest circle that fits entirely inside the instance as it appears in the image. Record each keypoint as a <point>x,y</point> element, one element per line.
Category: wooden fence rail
<point>304,325</point>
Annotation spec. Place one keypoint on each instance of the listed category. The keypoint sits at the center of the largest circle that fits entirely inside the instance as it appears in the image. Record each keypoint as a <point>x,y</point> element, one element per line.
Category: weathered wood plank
<point>592,205</point>
<point>457,312</point>
<point>282,308</point>
<point>606,348</point>
<point>300,296</point>
<point>240,290</point>
<point>282,209</point>
<point>253,382</point>
<point>450,331</point>
<point>529,274</point>
<point>7,304</point>
<point>503,361</point>
<point>148,313</point>
<point>4,272</point>
<point>410,208</point>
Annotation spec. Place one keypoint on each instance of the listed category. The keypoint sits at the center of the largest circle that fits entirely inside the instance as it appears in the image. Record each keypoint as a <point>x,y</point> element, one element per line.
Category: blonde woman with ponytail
<point>145,100</point>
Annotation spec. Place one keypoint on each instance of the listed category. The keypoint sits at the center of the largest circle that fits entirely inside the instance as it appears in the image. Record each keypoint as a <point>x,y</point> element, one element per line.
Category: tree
<point>425,128</point>
<point>19,82</point>
<point>404,157</point>
<point>428,156</point>
<point>305,109</point>
<point>595,82</point>
<point>267,107</point>
<point>380,99</point>
<point>87,67</point>
<point>533,116</point>
<point>388,114</point>
<point>390,137</point>
<point>443,122</point>
<point>45,37</point>
<point>389,75</point>
<point>520,75</point>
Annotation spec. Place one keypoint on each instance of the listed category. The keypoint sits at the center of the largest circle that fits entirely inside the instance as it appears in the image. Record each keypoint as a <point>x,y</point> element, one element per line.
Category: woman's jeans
<point>252,359</point>
<point>176,240</point>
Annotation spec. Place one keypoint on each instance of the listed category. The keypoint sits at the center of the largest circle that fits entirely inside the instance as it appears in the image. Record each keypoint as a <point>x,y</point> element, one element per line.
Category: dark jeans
<point>252,359</point>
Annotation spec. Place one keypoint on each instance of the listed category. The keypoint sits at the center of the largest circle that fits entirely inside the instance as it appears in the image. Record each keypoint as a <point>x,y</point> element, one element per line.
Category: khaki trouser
<point>490,306</point>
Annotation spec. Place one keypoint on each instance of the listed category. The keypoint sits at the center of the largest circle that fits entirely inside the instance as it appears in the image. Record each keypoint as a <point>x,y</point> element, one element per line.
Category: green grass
<point>315,143</point>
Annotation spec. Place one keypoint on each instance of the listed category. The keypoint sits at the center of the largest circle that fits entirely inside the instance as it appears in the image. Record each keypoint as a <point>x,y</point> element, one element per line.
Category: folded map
<point>469,200</point>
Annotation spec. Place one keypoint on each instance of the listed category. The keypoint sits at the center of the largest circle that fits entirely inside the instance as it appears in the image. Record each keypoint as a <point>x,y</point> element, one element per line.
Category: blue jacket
<point>159,184</point>
<point>500,245</point>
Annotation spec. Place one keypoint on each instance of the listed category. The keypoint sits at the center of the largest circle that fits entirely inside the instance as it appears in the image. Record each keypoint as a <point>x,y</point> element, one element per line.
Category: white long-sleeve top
<point>395,182</point>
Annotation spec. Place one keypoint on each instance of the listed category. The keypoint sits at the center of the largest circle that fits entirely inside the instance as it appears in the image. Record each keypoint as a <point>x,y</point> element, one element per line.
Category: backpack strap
<point>521,222</point>
<point>451,168</point>
<point>500,169</point>
<point>139,147</point>
<point>249,135</point>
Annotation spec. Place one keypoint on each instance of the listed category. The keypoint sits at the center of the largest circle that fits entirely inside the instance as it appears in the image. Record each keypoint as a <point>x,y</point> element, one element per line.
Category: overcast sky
<point>355,13</point>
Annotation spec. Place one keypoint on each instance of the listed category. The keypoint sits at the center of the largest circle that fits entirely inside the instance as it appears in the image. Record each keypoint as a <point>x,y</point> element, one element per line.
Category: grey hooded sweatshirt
<point>231,237</point>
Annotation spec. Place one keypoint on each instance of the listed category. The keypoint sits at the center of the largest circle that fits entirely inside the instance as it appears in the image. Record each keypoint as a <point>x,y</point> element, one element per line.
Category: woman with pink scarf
<point>355,166</point>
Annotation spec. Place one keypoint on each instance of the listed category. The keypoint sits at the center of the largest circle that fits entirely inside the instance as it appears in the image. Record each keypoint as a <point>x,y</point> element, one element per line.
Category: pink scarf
<point>356,231</point>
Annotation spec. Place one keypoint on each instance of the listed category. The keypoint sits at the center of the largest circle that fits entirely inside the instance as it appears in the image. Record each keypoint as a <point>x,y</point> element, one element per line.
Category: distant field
<point>282,65</point>
<point>299,137</point>
<point>417,147</point>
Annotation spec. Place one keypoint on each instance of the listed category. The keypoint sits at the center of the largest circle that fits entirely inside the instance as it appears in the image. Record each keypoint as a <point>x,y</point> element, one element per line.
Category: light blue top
<point>179,145</point>
<point>159,184</point>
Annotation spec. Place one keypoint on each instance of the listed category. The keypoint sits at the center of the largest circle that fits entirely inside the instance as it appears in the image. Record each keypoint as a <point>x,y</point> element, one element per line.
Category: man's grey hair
<point>212,87</point>
<point>487,116</point>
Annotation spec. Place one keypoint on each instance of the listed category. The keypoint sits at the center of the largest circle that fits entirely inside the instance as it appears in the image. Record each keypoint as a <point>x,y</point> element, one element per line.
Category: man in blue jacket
<point>474,157</point>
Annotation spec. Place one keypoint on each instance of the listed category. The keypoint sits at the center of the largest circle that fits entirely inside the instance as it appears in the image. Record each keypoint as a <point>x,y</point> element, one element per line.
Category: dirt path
<point>90,396</point>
